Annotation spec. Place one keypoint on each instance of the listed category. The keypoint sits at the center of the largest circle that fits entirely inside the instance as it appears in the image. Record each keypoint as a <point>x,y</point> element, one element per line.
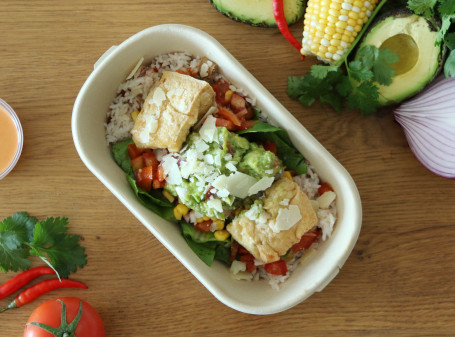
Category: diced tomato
<point>137,163</point>
<point>324,188</point>
<point>160,173</point>
<point>270,146</point>
<point>276,268</point>
<point>306,241</point>
<point>242,250</point>
<point>220,88</point>
<point>150,159</point>
<point>134,151</point>
<point>248,124</point>
<point>224,122</point>
<point>156,184</point>
<point>237,102</point>
<point>204,226</point>
<point>229,115</point>
<point>144,179</point>
<point>181,71</point>
<point>248,259</point>
<point>245,114</point>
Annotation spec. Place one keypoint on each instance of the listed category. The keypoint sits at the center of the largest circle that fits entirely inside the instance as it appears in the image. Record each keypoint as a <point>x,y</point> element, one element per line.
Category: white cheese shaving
<point>215,204</point>
<point>239,183</point>
<point>231,167</point>
<point>263,184</point>
<point>286,219</point>
<point>208,129</point>
<point>171,169</point>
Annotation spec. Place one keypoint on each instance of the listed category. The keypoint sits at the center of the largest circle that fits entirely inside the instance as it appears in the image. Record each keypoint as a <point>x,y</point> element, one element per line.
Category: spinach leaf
<point>120,153</point>
<point>292,159</point>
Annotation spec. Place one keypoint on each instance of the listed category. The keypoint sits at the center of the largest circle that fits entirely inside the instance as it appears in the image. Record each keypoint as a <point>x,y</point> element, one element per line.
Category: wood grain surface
<point>398,281</point>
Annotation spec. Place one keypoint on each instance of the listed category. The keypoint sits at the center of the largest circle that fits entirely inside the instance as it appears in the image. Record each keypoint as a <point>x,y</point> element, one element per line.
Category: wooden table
<point>398,281</point>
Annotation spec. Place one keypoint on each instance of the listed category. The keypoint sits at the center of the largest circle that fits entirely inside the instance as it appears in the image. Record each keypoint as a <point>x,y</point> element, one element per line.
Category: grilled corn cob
<point>330,26</point>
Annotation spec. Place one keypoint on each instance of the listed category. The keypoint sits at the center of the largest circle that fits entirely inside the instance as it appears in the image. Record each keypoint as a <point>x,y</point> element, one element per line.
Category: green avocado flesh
<point>259,12</point>
<point>412,38</point>
<point>204,166</point>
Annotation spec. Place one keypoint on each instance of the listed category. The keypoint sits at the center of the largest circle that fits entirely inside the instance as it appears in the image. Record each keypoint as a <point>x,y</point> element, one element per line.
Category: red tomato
<point>324,188</point>
<point>160,173</point>
<point>248,259</point>
<point>134,151</point>
<point>144,178</point>
<point>204,226</point>
<point>270,146</point>
<point>237,102</point>
<point>220,88</point>
<point>306,241</point>
<point>137,163</point>
<point>276,268</point>
<point>229,115</point>
<point>49,313</point>
<point>224,122</point>
<point>150,159</point>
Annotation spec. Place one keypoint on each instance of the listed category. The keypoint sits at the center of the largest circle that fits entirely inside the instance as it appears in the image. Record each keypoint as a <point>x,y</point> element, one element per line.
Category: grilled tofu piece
<point>269,231</point>
<point>171,108</point>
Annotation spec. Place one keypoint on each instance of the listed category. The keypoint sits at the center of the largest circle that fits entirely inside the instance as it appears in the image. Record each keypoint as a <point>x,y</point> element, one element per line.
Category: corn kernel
<point>228,95</point>
<point>218,224</point>
<point>221,235</point>
<point>134,115</point>
<point>168,196</point>
<point>180,210</point>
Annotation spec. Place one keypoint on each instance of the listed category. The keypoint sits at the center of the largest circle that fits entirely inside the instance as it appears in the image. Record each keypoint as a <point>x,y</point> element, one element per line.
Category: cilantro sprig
<point>443,11</point>
<point>22,236</point>
<point>357,86</point>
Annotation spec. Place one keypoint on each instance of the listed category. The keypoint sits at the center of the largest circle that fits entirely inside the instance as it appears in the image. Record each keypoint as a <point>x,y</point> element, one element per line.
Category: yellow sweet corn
<point>180,210</point>
<point>134,115</point>
<point>228,95</point>
<point>201,219</point>
<point>168,196</point>
<point>221,235</point>
<point>218,224</point>
<point>330,26</point>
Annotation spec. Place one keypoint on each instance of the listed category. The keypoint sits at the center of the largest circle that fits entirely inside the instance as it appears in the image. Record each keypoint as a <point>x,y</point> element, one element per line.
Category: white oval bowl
<point>89,115</point>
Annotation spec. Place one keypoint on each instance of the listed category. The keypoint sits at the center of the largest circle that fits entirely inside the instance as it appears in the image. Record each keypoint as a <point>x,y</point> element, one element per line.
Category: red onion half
<point>428,121</point>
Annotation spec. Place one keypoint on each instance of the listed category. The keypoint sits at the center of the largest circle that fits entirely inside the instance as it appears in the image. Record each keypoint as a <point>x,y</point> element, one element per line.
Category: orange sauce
<point>9,139</point>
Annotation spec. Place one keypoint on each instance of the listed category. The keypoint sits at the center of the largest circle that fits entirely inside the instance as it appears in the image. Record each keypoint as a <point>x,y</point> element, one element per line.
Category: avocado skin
<point>237,15</point>
<point>403,13</point>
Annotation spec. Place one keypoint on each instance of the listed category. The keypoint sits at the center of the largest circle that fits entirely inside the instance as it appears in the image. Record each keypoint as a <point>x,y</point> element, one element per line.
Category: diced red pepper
<point>276,268</point>
<point>229,115</point>
<point>224,122</point>
<point>237,102</point>
<point>248,259</point>
<point>204,226</point>
<point>137,163</point>
<point>324,188</point>
<point>134,151</point>
<point>270,146</point>
<point>306,241</point>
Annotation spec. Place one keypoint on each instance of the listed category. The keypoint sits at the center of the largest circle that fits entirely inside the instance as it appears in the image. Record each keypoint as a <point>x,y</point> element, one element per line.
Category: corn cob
<point>330,26</point>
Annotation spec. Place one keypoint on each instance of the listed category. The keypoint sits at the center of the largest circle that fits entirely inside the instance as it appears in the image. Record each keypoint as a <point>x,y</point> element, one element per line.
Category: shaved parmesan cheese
<point>221,182</point>
<point>223,193</point>
<point>239,184</point>
<point>326,199</point>
<point>136,67</point>
<point>261,185</point>
<point>171,169</point>
<point>208,129</point>
<point>286,219</point>
<point>231,167</point>
<point>215,204</point>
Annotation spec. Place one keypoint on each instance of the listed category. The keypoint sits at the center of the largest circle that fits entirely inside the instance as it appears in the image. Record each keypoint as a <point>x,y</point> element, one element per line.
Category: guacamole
<point>217,171</point>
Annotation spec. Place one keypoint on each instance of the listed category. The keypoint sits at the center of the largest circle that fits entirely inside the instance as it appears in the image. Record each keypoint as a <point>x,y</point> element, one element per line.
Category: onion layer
<point>428,121</point>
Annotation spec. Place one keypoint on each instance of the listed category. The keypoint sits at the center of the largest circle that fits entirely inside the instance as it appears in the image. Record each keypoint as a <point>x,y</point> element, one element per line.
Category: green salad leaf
<point>292,159</point>
<point>205,245</point>
<point>153,200</point>
<point>22,235</point>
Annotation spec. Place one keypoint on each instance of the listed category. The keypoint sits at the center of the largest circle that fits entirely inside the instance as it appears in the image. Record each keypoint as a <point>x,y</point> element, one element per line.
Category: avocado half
<point>259,12</point>
<point>413,39</point>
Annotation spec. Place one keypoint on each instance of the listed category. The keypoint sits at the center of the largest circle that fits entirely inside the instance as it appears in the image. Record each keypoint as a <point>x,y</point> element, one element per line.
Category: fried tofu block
<point>268,233</point>
<point>171,108</point>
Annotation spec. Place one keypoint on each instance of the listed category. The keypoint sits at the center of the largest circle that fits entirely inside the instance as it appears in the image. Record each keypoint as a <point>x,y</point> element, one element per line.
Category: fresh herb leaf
<point>120,153</point>
<point>449,40</point>
<point>22,235</point>
<point>321,71</point>
<point>51,238</point>
<point>364,97</point>
<point>422,7</point>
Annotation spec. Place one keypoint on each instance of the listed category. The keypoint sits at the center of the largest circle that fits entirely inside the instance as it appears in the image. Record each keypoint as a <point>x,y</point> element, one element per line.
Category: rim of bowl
<point>20,137</point>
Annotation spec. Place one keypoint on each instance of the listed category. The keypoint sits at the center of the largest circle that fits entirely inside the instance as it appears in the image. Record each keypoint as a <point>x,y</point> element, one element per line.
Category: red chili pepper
<point>278,13</point>
<point>32,293</point>
<point>20,280</point>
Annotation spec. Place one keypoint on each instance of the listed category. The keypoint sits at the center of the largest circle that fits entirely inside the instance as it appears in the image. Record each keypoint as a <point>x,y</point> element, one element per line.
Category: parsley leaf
<point>22,235</point>
<point>422,7</point>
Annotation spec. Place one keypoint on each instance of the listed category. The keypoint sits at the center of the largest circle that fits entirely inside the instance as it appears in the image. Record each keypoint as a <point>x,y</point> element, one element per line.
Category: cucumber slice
<point>259,12</point>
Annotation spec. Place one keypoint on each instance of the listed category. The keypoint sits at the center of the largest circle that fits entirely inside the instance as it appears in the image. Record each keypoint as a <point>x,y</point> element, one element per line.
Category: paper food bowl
<point>89,114</point>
